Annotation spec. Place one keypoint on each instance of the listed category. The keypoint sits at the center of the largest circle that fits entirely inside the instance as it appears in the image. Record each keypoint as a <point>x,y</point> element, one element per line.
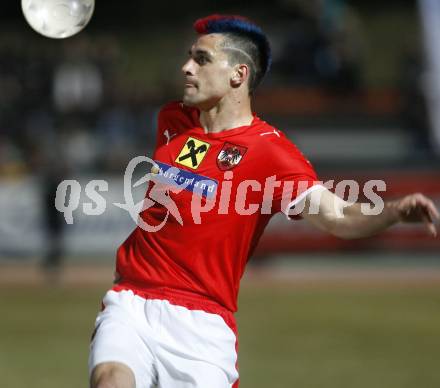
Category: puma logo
<point>168,135</point>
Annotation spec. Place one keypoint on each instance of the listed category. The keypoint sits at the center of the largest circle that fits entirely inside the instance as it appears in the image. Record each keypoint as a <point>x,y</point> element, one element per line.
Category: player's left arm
<point>332,214</point>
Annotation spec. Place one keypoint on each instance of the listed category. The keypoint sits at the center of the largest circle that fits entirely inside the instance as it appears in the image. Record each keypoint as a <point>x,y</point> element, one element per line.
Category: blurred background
<point>354,84</point>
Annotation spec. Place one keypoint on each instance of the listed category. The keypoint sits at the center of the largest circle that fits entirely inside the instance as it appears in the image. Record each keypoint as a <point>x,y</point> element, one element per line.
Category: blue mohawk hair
<point>241,26</point>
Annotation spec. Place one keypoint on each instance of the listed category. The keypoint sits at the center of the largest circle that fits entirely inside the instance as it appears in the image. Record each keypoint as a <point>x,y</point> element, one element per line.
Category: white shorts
<point>165,345</point>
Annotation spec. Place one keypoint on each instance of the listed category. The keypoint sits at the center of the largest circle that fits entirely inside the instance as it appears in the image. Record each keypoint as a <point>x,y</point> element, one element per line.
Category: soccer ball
<point>58,18</point>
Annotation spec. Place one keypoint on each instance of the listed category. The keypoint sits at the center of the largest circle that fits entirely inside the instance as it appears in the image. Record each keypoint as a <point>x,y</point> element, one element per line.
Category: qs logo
<point>192,153</point>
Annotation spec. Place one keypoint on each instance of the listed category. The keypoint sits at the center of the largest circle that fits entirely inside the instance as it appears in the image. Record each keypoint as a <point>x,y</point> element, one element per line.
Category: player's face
<point>207,73</point>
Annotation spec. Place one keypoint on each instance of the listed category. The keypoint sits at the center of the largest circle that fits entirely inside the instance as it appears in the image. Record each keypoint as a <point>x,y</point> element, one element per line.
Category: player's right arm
<point>336,216</point>
<point>326,210</point>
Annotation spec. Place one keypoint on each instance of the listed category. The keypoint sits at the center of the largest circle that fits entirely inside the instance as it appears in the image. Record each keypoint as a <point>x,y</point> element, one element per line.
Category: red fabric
<point>205,262</point>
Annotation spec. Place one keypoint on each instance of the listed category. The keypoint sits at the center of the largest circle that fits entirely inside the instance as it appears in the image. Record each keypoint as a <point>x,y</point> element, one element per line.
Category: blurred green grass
<point>289,337</point>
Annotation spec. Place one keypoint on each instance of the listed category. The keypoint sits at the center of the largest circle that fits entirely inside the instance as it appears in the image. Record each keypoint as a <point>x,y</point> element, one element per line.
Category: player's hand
<point>417,208</point>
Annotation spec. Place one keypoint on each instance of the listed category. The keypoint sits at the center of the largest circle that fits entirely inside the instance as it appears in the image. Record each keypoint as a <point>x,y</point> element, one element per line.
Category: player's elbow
<point>337,225</point>
<point>341,228</point>
<point>352,231</point>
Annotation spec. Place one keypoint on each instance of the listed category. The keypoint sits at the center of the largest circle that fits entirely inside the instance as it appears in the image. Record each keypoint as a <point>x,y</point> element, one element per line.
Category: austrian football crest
<point>230,156</point>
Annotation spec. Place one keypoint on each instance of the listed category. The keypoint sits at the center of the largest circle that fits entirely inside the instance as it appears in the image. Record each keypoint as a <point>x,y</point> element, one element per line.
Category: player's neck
<point>226,115</point>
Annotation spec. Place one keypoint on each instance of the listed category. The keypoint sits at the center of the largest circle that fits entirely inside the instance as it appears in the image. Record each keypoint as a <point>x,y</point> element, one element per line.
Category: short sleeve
<point>295,176</point>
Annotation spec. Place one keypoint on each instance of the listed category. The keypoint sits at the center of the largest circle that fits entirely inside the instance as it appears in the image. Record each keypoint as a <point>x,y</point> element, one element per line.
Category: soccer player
<point>168,321</point>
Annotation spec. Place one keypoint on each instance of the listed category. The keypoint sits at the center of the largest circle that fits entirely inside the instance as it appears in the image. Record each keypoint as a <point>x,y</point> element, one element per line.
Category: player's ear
<point>239,75</point>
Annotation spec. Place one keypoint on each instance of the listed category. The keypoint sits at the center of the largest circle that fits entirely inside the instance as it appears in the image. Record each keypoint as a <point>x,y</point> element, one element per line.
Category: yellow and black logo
<point>193,152</point>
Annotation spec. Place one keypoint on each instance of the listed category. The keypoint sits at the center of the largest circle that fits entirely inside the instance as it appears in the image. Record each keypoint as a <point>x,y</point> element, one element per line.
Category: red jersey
<point>198,256</point>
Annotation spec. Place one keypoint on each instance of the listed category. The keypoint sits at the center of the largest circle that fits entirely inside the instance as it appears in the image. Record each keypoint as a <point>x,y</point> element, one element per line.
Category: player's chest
<point>206,156</point>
